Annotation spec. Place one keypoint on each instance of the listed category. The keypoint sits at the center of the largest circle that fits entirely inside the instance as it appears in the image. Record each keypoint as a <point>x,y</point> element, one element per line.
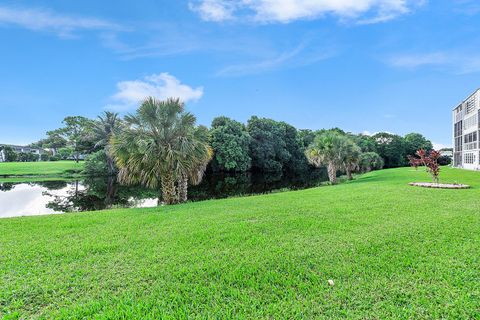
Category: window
<point>471,137</point>
<point>458,143</point>
<point>458,128</point>
<point>470,122</point>
<point>470,158</point>
<point>470,104</point>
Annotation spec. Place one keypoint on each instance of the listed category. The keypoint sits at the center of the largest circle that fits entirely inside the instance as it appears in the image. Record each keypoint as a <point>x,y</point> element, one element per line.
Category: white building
<point>19,149</point>
<point>466,151</point>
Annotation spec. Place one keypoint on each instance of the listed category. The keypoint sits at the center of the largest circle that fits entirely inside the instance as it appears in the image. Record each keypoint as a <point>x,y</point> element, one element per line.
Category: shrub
<point>96,164</point>
<point>370,161</point>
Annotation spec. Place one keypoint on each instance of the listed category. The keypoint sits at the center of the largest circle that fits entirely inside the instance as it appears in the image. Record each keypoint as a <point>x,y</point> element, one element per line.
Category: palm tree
<point>351,157</point>
<point>104,128</point>
<point>160,147</point>
<point>328,149</point>
<point>201,155</point>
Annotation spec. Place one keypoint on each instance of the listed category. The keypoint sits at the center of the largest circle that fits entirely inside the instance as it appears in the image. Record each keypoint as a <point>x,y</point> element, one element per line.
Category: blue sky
<point>362,65</point>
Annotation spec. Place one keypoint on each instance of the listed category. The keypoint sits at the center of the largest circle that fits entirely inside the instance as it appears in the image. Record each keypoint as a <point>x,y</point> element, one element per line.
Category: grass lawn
<point>393,251</point>
<point>44,168</point>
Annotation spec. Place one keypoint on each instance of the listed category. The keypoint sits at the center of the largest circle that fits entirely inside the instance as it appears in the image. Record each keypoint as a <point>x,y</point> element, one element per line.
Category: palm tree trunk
<point>168,189</point>
<point>349,173</point>
<point>332,172</point>
<point>182,188</point>
<point>111,165</point>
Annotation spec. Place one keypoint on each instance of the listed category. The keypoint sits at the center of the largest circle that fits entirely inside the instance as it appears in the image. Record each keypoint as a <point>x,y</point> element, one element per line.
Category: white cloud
<point>452,61</point>
<point>213,10</point>
<point>47,20</point>
<point>161,86</point>
<point>284,11</point>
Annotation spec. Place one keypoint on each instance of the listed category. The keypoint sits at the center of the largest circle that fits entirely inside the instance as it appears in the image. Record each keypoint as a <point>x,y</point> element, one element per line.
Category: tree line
<point>161,146</point>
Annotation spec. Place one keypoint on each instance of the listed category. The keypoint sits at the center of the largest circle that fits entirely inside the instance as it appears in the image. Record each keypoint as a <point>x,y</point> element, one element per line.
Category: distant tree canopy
<point>262,144</point>
<point>415,142</point>
<point>392,149</point>
<point>268,147</point>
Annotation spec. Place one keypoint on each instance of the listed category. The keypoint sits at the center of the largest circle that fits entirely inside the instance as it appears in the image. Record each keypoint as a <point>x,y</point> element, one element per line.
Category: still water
<point>50,197</point>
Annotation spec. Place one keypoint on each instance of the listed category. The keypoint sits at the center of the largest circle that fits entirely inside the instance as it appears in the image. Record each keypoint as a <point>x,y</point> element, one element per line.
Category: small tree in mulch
<point>429,160</point>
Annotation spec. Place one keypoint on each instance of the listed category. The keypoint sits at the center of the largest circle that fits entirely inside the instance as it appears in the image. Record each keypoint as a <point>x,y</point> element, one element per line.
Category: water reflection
<point>46,197</point>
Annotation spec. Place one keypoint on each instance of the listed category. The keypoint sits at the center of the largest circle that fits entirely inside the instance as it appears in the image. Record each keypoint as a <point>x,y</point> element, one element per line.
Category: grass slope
<point>394,251</point>
<point>43,168</point>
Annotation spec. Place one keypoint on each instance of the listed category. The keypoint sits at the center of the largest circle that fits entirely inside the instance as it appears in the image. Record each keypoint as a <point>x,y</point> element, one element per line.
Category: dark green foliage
<point>415,142</point>
<point>366,143</point>
<point>391,148</point>
<point>444,160</point>
<point>267,148</point>
<point>370,161</point>
<point>96,164</point>
<point>27,157</point>
<point>10,154</point>
<point>230,142</point>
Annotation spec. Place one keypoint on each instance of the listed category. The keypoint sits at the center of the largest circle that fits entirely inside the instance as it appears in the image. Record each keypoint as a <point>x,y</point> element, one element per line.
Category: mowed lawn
<point>44,168</point>
<point>393,251</point>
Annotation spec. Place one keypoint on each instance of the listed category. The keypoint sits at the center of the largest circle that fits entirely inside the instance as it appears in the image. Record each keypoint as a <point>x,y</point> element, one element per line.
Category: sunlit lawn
<point>43,168</point>
<point>393,251</point>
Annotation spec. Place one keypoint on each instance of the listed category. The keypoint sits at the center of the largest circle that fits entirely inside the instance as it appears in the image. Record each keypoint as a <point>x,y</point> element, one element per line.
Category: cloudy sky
<point>362,65</point>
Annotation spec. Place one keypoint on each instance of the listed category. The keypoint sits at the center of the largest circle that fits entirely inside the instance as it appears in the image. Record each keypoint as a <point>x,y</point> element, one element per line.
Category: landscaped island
<point>392,251</point>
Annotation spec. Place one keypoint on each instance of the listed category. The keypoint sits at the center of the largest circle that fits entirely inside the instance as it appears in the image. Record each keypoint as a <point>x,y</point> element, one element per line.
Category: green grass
<point>393,251</point>
<point>32,169</point>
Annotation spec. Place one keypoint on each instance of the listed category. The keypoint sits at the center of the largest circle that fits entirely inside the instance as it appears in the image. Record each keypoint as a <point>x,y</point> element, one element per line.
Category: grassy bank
<point>393,251</point>
<point>37,169</point>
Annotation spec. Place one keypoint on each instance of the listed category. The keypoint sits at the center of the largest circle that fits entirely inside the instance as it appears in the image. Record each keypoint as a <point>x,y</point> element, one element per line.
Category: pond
<point>49,197</point>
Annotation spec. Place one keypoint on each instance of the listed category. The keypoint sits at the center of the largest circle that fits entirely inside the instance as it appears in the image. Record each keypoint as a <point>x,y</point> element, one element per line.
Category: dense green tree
<point>295,148</point>
<point>415,142</point>
<point>365,142</point>
<point>54,141</point>
<point>77,131</point>
<point>370,161</point>
<point>391,148</point>
<point>159,146</point>
<point>268,148</point>
<point>329,149</point>
<point>10,154</point>
<point>230,142</point>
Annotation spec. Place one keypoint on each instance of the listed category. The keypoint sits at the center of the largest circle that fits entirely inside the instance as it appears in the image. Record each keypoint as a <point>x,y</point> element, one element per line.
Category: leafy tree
<point>10,154</point>
<point>159,147</point>
<point>391,148</point>
<point>365,142</point>
<point>96,164</point>
<point>268,148</point>
<point>230,142</point>
<point>295,148</point>
<point>53,141</point>
<point>77,131</point>
<point>429,160</point>
<point>416,141</point>
<point>370,161</point>
<point>444,160</point>
<point>27,157</point>
<point>305,137</point>
<point>65,153</point>
<point>329,149</point>
<point>107,125</point>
